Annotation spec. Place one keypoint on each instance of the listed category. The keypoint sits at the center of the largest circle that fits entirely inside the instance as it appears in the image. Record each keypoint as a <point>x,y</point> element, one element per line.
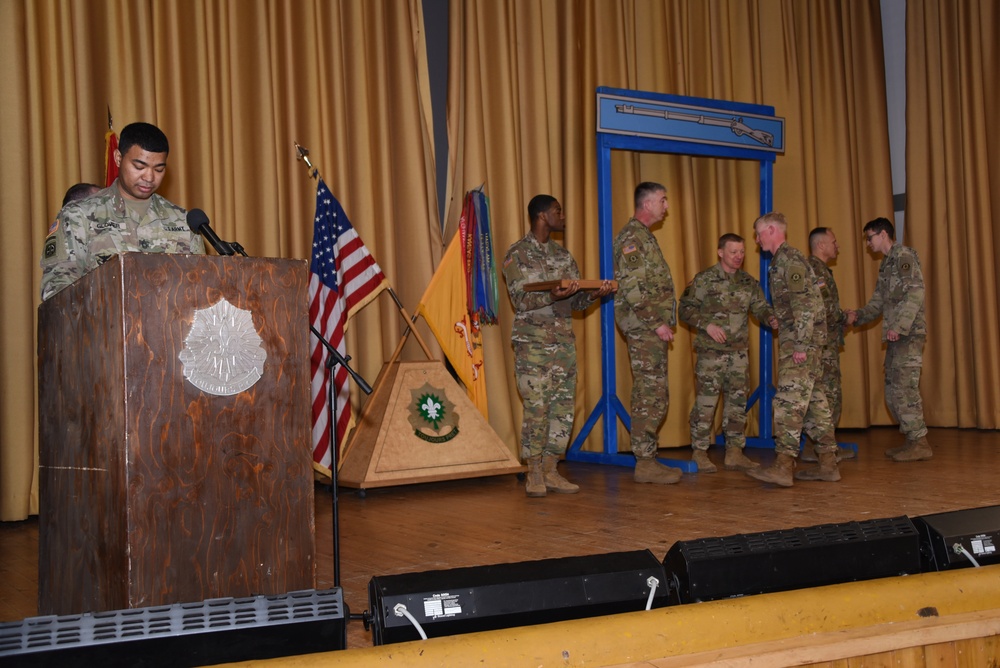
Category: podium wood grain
<point>152,491</point>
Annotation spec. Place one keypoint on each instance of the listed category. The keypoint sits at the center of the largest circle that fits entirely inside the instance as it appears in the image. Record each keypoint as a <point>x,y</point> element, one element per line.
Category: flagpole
<point>331,406</point>
<point>410,320</point>
<point>302,153</point>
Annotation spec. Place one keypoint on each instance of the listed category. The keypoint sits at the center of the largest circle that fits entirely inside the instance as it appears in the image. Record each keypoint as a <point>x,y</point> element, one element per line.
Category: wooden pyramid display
<point>419,425</point>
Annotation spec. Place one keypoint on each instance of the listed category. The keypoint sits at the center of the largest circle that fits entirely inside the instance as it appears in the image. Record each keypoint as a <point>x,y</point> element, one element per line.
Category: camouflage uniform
<point>829,378</point>
<point>717,298</point>
<point>799,400</point>
<point>89,231</point>
<point>645,300</point>
<point>544,343</point>
<point>899,299</point>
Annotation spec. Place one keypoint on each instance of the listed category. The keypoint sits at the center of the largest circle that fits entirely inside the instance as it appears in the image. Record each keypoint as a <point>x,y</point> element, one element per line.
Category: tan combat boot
<point>650,470</point>
<point>808,452</point>
<point>914,451</point>
<point>705,465</point>
<point>779,473</point>
<point>553,481</point>
<point>826,470</point>
<point>535,485</point>
<point>845,453</point>
<point>737,461</point>
<point>892,452</point>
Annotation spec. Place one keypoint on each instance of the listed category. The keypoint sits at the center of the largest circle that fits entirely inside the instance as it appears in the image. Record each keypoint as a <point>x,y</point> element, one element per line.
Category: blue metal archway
<point>631,120</point>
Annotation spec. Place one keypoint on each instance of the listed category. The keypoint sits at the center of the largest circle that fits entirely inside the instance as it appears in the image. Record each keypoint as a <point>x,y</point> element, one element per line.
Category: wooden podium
<point>174,435</point>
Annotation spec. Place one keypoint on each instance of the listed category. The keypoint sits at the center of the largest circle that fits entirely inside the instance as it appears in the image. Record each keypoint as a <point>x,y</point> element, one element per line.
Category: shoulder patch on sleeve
<point>54,226</point>
<point>796,278</point>
<point>906,267</point>
<point>52,250</point>
<point>629,249</point>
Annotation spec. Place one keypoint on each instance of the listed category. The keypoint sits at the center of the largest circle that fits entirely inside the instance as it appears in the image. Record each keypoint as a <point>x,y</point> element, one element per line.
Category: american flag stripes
<point>343,278</point>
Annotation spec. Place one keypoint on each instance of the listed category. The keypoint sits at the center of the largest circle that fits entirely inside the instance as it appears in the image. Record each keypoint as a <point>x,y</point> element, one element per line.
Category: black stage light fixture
<point>960,538</point>
<point>220,630</point>
<point>707,569</point>
<point>481,598</point>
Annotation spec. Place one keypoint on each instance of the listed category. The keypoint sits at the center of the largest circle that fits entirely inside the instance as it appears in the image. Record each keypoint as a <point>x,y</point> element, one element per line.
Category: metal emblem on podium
<point>223,353</point>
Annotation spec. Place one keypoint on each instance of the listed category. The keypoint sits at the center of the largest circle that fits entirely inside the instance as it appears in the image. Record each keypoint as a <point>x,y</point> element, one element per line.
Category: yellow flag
<point>445,308</point>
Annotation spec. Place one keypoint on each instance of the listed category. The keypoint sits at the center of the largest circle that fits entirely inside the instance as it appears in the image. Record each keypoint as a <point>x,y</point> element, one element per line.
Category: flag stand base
<point>419,425</point>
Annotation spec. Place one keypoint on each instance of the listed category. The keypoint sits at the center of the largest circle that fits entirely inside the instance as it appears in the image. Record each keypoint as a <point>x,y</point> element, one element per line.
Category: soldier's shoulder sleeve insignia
<point>906,268</point>
<point>54,226</point>
<point>50,248</point>
<point>631,255</point>
<point>508,261</point>
<point>796,277</point>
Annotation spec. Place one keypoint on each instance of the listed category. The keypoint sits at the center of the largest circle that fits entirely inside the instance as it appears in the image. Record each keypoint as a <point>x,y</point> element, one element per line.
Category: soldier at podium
<point>126,216</point>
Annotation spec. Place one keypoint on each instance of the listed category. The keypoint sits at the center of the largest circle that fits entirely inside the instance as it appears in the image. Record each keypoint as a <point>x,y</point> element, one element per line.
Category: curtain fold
<point>819,64</point>
<point>953,202</point>
<point>233,83</point>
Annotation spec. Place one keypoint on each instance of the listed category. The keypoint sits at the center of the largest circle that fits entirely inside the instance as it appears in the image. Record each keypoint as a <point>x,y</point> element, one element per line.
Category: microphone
<point>197,220</point>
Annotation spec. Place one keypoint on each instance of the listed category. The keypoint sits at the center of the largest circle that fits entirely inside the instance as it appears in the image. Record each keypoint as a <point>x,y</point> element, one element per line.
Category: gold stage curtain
<point>521,118</point>
<point>232,83</point>
<point>953,202</point>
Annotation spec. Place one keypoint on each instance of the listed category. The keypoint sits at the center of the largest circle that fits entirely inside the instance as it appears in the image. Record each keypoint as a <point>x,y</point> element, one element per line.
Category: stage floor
<point>482,521</point>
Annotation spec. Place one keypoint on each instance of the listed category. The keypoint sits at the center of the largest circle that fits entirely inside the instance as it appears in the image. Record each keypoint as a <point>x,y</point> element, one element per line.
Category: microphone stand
<point>332,360</point>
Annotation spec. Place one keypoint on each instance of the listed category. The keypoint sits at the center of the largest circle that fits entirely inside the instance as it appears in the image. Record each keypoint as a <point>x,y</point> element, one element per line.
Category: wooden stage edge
<point>914,620</point>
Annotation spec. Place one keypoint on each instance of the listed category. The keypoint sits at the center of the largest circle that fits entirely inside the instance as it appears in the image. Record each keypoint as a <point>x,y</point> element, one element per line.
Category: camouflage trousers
<point>800,405</point>
<point>903,362</point>
<point>716,373</point>
<point>830,381</point>
<point>546,379</point>
<point>650,395</point>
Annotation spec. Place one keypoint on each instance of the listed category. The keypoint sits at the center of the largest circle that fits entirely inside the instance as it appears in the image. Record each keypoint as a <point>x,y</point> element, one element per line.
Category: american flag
<point>343,278</point>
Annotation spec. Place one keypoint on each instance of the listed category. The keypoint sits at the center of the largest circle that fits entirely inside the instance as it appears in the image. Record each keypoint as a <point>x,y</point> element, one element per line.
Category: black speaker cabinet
<point>955,539</point>
<point>712,568</point>
<point>481,598</point>
<point>220,630</point>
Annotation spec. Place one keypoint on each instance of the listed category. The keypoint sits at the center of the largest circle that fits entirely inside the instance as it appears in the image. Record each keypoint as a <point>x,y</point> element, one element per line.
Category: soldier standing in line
<point>799,400</point>
<point>644,311</point>
<point>716,304</point>
<point>899,299</point>
<point>126,216</point>
<point>823,249</point>
<point>544,343</point>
